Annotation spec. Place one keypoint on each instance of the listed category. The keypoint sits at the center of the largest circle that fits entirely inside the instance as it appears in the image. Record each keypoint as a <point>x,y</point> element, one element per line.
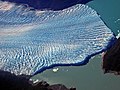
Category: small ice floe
<point>55,69</point>
<point>36,81</point>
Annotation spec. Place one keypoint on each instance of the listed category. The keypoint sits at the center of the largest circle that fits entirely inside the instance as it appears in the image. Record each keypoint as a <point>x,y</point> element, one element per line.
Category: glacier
<point>32,41</point>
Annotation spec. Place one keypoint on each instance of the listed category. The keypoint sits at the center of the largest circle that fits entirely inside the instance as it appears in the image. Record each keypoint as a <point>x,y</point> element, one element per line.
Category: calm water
<point>90,76</point>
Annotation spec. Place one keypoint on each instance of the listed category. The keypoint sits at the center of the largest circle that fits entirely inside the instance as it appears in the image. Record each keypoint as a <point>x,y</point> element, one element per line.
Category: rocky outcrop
<point>49,4</point>
<point>111,59</point>
<point>10,81</point>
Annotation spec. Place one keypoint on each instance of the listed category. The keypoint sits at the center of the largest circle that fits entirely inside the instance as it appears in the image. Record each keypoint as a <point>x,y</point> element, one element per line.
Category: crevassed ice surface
<point>31,41</point>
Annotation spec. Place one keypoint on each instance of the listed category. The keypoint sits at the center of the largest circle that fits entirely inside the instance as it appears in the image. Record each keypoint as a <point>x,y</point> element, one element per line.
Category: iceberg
<point>32,41</point>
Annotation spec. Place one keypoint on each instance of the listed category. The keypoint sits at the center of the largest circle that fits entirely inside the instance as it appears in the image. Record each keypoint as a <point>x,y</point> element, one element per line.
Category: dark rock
<point>10,81</point>
<point>57,87</point>
<point>41,85</point>
<point>111,59</point>
<point>49,4</point>
<point>72,88</point>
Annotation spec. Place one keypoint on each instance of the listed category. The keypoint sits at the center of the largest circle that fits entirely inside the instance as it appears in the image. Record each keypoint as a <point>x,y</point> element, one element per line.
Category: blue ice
<point>32,41</point>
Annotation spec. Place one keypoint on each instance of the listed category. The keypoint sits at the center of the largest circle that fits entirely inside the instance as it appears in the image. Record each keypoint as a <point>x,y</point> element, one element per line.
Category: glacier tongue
<point>32,41</point>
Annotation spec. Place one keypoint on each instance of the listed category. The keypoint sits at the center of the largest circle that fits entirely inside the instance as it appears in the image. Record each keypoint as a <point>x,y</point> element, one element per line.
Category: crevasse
<point>32,41</point>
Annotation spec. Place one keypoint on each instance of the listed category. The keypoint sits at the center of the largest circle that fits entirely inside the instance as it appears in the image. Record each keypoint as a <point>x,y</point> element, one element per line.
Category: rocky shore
<point>9,81</point>
<point>111,59</point>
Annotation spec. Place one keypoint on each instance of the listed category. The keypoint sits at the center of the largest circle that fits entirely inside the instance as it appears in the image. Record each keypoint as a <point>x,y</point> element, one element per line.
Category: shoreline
<point>9,81</point>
